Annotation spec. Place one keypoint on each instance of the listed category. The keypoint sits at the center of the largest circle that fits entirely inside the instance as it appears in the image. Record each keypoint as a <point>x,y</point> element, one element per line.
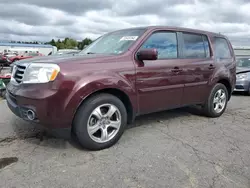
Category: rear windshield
<point>114,43</point>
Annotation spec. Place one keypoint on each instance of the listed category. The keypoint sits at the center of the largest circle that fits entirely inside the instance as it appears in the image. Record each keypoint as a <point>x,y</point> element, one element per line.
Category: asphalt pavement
<point>177,148</point>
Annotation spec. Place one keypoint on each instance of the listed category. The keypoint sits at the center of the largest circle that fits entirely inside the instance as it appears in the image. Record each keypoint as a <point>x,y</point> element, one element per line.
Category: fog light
<point>31,115</point>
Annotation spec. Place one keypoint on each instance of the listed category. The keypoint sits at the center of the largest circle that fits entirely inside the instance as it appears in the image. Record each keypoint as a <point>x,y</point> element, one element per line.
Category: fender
<point>225,75</point>
<point>86,86</point>
<point>219,74</point>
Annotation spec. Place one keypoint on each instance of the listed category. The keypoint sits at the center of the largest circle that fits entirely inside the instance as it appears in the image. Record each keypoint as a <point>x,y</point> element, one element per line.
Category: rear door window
<point>195,46</point>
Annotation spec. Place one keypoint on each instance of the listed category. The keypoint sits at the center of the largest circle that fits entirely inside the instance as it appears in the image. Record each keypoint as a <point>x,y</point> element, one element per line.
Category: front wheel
<point>217,101</point>
<point>3,94</point>
<point>100,122</point>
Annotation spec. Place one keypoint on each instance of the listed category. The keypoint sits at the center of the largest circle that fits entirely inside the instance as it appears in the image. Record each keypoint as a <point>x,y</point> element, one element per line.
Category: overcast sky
<point>46,19</point>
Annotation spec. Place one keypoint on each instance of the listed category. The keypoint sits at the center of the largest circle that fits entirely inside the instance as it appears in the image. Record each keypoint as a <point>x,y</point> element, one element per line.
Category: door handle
<point>211,67</point>
<point>176,69</point>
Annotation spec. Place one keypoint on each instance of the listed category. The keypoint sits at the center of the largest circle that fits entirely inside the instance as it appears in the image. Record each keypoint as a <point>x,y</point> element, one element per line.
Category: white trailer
<point>22,48</point>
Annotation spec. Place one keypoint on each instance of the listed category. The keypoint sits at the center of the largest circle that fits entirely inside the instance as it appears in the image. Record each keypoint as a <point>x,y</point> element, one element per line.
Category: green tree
<point>85,42</point>
<point>69,43</point>
<point>52,42</point>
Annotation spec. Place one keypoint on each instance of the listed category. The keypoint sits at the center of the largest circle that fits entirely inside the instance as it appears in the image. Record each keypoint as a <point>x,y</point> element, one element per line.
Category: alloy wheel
<point>219,101</point>
<point>104,123</point>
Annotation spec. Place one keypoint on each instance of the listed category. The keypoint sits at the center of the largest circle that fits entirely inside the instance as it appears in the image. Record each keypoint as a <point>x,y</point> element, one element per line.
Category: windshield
<point>114,43</point>
<point>243,62</point>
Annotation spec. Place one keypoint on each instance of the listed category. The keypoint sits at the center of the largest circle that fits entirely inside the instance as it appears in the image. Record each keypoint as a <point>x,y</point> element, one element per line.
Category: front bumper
<point>242,85</point>
<point>43,108</point>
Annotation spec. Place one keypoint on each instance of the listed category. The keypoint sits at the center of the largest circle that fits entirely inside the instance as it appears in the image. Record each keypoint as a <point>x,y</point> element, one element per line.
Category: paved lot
<point>169,149</point>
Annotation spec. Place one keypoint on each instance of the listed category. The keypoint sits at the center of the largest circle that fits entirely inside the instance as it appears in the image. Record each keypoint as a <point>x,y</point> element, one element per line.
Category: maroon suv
<point>121,75</point>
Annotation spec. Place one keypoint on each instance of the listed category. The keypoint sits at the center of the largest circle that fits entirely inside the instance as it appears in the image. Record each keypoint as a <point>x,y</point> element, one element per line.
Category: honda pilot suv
<point>93,95</point>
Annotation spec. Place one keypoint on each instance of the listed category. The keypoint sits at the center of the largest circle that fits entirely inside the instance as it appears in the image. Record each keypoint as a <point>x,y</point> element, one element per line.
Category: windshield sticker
<point>129,38</point>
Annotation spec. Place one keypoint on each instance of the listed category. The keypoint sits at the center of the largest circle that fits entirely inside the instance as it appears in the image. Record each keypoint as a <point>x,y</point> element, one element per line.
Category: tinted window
<point>164,42</point>
<point>206,44</point>
<point>193,46</point>
<point>221,48</point>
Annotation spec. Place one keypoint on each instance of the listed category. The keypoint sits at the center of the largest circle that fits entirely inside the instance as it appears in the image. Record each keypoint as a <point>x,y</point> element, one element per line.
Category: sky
<point>42,20</point>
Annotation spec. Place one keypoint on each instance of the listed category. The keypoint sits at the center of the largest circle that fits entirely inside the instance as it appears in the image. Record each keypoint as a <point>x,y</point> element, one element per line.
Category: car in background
<point>243,75</point>
<point>10,54</point>
<point>24,56</point>
<point>4,58</point>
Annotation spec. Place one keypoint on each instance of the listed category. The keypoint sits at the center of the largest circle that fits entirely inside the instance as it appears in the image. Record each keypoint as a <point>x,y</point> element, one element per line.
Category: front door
<point>160,83</point>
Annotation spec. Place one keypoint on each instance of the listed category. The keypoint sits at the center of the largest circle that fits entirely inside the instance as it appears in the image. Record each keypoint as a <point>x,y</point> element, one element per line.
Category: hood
<point>242,69</point>
<point>70,58</point>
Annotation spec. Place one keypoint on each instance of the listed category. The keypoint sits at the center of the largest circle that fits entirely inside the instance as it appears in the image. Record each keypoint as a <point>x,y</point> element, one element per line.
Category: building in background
<point>242,50</point>
<point>21,48</point>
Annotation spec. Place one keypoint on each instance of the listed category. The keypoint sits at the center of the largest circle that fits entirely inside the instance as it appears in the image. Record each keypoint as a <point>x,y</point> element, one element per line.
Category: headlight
<point>40,73</point>
<point>241,76</point>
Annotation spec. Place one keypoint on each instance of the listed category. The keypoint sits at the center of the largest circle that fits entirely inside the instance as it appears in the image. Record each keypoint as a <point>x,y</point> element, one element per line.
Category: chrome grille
<point>19,73</point>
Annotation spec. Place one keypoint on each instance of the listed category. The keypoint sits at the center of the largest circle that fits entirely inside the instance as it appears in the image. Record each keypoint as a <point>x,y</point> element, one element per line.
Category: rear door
<point>199,67</point>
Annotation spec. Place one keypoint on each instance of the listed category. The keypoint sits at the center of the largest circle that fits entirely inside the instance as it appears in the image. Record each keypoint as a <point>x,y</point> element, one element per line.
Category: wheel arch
<point>117,93</point>
<point>226,83</point>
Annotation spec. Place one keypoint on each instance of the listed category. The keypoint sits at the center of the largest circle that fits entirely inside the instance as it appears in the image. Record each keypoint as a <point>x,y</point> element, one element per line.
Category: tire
<point>248,92</point>
<point>84,116</point>
<point>3,94</point>
<point>209,108</point>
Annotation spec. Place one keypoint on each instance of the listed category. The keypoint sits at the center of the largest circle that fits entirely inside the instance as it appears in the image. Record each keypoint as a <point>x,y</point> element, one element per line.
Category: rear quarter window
<point>222,50</point>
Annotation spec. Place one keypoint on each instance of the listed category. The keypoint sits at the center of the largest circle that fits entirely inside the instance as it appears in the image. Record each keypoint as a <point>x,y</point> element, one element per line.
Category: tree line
<point>67,43</point>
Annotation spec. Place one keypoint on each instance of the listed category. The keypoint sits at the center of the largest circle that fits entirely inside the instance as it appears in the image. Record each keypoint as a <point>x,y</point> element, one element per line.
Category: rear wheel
<point>217,101</point>
<point>100,122</point>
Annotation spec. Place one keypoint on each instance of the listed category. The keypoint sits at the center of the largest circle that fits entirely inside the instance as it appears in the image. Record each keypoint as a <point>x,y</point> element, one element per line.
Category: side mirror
<point>147,54</point>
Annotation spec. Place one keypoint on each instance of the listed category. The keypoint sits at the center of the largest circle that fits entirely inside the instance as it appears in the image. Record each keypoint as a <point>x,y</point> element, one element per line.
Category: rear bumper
<point>242,85</point>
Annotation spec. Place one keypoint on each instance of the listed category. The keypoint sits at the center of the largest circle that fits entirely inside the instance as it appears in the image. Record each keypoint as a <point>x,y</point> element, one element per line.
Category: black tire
<point>248,92</point>
<point>3,94</point>
<point>208,107</point>
<point>83,114</point>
